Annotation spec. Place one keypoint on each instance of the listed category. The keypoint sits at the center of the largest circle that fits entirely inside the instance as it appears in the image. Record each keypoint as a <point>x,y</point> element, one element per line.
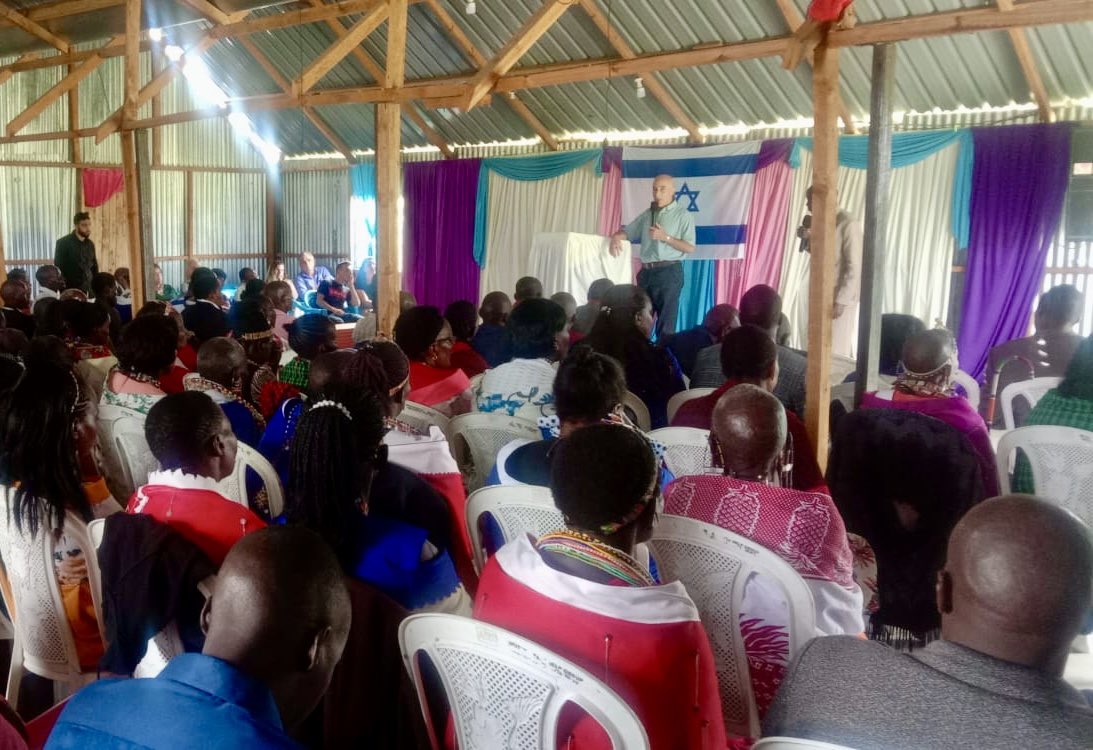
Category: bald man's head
<point>222,360</point>
<point>280,612</point>
<point>495,309</point>
<point>1018,581</point>
<point>749,425</point>
<point>14,294</point>
<point>928,351</point>
<point>326,369</point>
<point>720,320</point>
<point>761,306</point>
<point>664,190</point>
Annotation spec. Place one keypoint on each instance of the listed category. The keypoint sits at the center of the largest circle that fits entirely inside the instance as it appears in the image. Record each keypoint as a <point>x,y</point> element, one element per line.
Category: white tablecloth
<point>570,262</point>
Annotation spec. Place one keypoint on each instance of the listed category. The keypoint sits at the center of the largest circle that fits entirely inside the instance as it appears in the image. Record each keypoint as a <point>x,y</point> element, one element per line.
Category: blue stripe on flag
<point>722,234</point>
<point>715,167</point>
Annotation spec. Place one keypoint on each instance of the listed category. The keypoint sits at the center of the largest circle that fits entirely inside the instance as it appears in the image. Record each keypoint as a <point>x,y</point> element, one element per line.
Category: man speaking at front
<point>667,234</point>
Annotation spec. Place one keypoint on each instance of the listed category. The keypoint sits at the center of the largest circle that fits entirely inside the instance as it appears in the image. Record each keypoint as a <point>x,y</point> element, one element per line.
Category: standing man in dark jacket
<point>75,254</point>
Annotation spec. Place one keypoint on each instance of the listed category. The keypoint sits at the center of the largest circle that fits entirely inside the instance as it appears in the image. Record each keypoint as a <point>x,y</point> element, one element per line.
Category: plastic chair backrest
<point>970,386</point>
<point>793,743</point>
<point>1031,390</point>
<point>235,484</point>
<point>1061,459</point>
<point>687,449</point>
<point>127,459</point>
<point>637,411</point>
<point>515,510</point>
<point>683,397</point>
<point>506,691</point>
<point>421,417</point>
<point>43,639</point>
<point>475,439</point>
<point>714,565</point>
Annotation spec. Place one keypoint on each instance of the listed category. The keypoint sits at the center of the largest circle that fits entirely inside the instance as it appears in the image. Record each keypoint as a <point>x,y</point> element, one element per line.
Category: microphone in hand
<point>804,232</point>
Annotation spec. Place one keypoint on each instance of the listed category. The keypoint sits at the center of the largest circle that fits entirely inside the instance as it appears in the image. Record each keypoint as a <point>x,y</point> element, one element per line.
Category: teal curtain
<point>362,185</point>
<point>910,148</point>
<point>525,169</point>
<point>697,295</point>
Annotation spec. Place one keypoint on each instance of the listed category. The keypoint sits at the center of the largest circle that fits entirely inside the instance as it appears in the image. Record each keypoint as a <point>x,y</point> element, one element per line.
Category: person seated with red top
<point>195,446</point>
<point>463,318</point>
<point>580,593</point>
<point>925,386</point>
<point>749,355</point>
<point>803,528</point>
<point>426,338</point>
<point>171,382</point>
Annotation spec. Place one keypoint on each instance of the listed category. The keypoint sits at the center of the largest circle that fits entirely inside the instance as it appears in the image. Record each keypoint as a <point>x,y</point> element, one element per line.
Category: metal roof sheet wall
<point>229,213</point>
<point>169,214</point>
<point>36,206</point>
<point>16,95</point>
<point>315,216</point>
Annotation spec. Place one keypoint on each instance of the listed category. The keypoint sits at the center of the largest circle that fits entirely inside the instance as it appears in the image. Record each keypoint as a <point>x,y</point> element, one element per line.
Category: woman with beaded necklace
<point>146,352</point>
<point>620,624</point>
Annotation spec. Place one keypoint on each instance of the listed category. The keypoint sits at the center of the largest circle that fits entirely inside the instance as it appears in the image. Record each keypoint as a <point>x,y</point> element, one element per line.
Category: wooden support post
<point>388,143</point>
<point>143,142</point>
<point>821,288</point>
<point>132,64</point>
<point>877,182</point>
<point>132,215</point>
<point>75,151</point>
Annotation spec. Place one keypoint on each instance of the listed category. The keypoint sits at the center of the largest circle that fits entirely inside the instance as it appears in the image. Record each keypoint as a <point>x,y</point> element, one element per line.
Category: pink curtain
<point>762,263</point>
<point>611,200</point>
<point>100,185</point>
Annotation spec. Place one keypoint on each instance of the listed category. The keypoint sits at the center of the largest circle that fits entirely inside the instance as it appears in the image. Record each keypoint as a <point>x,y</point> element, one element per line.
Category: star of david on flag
<point>714,184</point>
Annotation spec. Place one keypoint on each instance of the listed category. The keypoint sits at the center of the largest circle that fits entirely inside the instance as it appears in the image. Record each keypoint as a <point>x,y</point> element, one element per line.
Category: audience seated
<point>337,449</point>
<point>205,316</point>
<point>276,625</point>
<point>86,329</point>
<point>760,306</point>
<point>804,528</point>
<point>568,303</point>
<point>367,280</point>
<point>251,327</point>
<point>221,370</point>
<point>246,275</point>
<point>1047,352</point>
<point>749,355</point>
<point>49,464</point>
<point>686,345</point>
<point>925,386</point>
<point>1068,405</point>
<point>161,290</point>
<point>463,318</point>
<point>524,387</point>
<point>338,296</point>
<point>16,298</point>
<point>308,336</point>
<point>491,340</point>
<point>146,352</point>
<point>309,277</point>
<point>580,592</point>
<point>426,338</point>
<point>1009,613</point>
<point>172,381</point>
<point>587,313</point>
<point>104,293</point>
<point>622,331</point>
<point>588,389</point>
<point>280,294</point>
<point>195,446</point>
<point>50,282</point>
<point>527,287</point>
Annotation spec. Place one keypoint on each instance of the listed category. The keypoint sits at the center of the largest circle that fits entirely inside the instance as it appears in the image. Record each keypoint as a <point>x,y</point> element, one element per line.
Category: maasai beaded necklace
<point>203,384</point>
<point>594,553</point>
<point>139,377</point>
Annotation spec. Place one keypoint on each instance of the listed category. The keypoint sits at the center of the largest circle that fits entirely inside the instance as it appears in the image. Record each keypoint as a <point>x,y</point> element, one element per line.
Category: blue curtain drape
<point>697,296</point>
<point>911,148</point>
<point>525,169</point>
<point>362,185</point>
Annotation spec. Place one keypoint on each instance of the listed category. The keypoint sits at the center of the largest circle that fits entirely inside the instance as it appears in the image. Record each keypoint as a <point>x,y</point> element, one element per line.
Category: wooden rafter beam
<point>132,59</point>
<point>5,75</point>
<point>464,43</point>
<point>653,84</point>
<point>337,26</point>
<point>410,111</point>
<point>32,27</point>
<point>793,19</point>
<point>395,72</point>
<point>55,92</point>
<point>66,8</point>
<point>1027,60</point>
<point>336,52</point>
<point>524,39</point>
<point>38,62</point>
<point>209,11</point>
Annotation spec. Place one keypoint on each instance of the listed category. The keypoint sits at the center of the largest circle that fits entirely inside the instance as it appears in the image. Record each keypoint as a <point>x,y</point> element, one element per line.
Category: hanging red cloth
<point>100,185</point>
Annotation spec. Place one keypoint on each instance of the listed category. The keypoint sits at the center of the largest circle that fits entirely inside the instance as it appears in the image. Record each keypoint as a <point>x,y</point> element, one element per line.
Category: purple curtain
<point>439,238</point>
<point>1018,185</point>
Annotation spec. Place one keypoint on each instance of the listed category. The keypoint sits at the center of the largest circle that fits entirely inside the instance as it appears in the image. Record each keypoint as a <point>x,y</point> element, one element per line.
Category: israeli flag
<point>714,183</point>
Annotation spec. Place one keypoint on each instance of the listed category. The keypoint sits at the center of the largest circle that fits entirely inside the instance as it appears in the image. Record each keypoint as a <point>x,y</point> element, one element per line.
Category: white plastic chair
<point>687,449</point>
<point>1031,390</point>
<point>422,417</point>
<point>235,484</point>
<point>714,565</point>
<point>506,691</point>
<point>516,509</point>
<point>683,397</point>
<point>43,643</point>
<point>127,459</point>
<point>475,439</point>
<point>637,411</point>
<point>970,386</point>
<point>793,743</point>
<point>1061,459</point>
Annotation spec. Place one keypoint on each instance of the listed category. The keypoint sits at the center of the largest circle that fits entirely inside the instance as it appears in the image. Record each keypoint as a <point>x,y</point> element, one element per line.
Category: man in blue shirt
<point>310,276</point>
<point>667,234</point>
<point>275,626</point>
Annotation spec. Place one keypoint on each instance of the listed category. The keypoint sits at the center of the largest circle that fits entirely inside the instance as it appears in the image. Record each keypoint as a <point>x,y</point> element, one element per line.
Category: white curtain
<point>920,242</point>
<point>520,210</point>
